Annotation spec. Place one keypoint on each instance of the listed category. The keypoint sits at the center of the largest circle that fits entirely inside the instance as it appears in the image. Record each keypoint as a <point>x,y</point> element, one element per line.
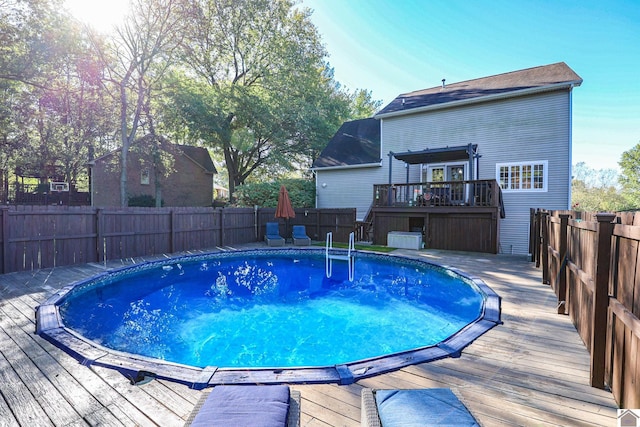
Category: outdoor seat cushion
<point>420,408</point>
<point>245,406</point>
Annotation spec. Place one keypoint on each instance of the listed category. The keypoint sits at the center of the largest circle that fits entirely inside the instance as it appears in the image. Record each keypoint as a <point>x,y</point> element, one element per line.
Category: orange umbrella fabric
<point>284,208</point>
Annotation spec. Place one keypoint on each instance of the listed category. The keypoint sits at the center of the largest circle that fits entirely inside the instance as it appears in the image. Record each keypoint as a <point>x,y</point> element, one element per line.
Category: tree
<point>363,105</point>
<point>137,59</point>
<point>29,35</point>
<point>257,62</point>
<point>77,108</point>
<point>595,190</point>
<point>301,192</point>
<point>51,110</point>
<point>26,26</point>
<point>630,176</point>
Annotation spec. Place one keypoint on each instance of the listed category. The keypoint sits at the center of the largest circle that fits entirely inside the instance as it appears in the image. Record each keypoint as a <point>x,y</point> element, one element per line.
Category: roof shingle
<point>558,74</point>
<point>356,143</point>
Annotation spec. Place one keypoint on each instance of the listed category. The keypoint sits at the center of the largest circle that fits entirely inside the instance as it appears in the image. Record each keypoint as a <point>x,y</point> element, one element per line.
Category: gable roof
<point>516,83</point>
<point>199,155</point>
<point>356,143</point>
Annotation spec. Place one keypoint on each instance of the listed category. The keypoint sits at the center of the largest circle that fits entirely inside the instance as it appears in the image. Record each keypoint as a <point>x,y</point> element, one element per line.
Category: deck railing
<point>442,193</point>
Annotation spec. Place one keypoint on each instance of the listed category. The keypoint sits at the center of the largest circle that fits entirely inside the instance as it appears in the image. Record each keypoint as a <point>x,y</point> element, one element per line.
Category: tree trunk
<point>125,144</point>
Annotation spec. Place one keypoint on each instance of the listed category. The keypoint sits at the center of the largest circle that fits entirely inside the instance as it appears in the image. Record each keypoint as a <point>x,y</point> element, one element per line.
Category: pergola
<point>437,155</point>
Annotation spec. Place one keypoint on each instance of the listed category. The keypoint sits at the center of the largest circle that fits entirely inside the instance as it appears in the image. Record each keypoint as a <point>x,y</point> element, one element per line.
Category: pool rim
<point>50,326</point>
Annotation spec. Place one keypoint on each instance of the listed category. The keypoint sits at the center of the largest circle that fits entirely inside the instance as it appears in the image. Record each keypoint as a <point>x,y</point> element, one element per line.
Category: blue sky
<point>395,46</point>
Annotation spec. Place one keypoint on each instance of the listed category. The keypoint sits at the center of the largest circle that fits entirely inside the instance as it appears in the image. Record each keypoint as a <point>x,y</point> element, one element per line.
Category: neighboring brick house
<point>181,175</point>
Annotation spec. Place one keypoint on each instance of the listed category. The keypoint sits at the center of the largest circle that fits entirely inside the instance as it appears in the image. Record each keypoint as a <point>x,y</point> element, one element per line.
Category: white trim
<point>362,166</point>
<point>570,150</point>
<point>545,176</point>
<point>55,187</point>
<point>445,166</point>
<point>145,175</point>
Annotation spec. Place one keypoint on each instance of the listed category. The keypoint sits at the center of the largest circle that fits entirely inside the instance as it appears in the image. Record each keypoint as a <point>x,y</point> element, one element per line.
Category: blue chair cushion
<point>245,406</point>
<point>300,231</point>
<point>273,229</point>
<point>420,408</point>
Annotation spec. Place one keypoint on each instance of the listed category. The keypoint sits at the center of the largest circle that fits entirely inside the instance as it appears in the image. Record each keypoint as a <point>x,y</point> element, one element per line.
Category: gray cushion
<point>245,406</point>
<point>420,408</point>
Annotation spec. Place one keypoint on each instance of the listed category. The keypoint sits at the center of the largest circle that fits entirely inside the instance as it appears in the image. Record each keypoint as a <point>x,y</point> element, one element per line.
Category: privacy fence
<point>34,237</point>
<point>592,262</point>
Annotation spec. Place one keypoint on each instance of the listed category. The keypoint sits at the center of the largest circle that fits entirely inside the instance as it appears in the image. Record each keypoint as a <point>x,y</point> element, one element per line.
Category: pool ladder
<point>331,254</point>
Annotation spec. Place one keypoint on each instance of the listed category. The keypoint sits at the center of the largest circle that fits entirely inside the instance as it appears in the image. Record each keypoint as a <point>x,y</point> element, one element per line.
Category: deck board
<point>531,370</point>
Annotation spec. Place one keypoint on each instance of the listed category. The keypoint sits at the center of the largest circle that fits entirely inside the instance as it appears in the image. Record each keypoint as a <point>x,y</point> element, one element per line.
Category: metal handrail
<point>330,256</point>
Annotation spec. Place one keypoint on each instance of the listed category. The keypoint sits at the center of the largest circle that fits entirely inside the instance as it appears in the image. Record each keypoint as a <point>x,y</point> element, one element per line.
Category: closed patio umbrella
<point>284,208</point>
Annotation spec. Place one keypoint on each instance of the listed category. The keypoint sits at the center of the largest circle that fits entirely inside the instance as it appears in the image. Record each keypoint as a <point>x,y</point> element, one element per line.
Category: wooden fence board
<point>627,261</point>
<point>36,237</point>
<point>632,388</point>
<point>581,271</point>
<point>615,276</point>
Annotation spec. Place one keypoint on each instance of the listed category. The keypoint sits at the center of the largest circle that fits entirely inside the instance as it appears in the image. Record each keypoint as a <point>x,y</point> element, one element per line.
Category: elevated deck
<point>451,215</point>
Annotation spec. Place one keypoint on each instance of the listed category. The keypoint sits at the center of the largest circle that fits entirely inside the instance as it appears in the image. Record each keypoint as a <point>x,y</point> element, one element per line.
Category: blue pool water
<point>273,309</point>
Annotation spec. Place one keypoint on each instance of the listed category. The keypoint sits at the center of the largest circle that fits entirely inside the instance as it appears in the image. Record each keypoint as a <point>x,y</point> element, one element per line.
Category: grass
<point>374,248</point>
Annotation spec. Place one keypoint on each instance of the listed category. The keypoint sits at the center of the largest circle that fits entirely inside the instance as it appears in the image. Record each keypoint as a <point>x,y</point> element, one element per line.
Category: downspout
<point>315,175</point>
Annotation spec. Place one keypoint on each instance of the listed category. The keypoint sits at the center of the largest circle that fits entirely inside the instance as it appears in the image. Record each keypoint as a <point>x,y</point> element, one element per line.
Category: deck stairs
<point>364,228</point>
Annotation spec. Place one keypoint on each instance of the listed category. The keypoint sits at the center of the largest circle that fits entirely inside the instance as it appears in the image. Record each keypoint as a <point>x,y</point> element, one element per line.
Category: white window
<point>526,176</point>
<point>144,176</point>
<point>444,172</point>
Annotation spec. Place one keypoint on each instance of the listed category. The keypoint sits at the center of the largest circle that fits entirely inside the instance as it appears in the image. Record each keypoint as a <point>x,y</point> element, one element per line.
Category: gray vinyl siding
<point>529,128</point>
<point>347,188</point>
<point>532,128</point>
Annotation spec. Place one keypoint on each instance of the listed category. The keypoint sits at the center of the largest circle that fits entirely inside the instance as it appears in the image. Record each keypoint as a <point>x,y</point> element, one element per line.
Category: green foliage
<point>143,200</point>
<point>363,105</point>
<point>596,191</point>
<point>248,79</point>
<point>630,176</point>
<point>301,192</point>
<point>259,90</point>
<point>53,110</point>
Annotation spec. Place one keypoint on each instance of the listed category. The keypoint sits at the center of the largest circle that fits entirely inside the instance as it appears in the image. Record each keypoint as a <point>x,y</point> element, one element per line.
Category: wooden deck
<point>532,370</point>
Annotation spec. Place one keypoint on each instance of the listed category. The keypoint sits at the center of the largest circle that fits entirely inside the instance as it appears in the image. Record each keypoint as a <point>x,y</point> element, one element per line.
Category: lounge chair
<point>300,235</point>
<point>272,237</point>
<point>247,406</point>
<point>413,408</point>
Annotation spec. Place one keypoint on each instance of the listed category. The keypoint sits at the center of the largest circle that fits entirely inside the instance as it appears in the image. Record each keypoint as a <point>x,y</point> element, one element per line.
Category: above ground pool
<point>268,316</point>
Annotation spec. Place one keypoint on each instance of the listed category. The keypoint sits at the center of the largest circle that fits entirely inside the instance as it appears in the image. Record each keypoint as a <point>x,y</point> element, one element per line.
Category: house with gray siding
<point>514,128</point>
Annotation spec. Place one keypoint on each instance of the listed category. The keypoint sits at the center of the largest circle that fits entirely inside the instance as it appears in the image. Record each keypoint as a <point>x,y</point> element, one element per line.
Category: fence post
<point>100,247</point>
<point>562,270</point>
<point>601,299</point>
<point>532,234</point>
<point>538,241</point>
<point>4,211</point>
<point>544,221</point>
<point>172,233</point>
<point>222,224</point>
